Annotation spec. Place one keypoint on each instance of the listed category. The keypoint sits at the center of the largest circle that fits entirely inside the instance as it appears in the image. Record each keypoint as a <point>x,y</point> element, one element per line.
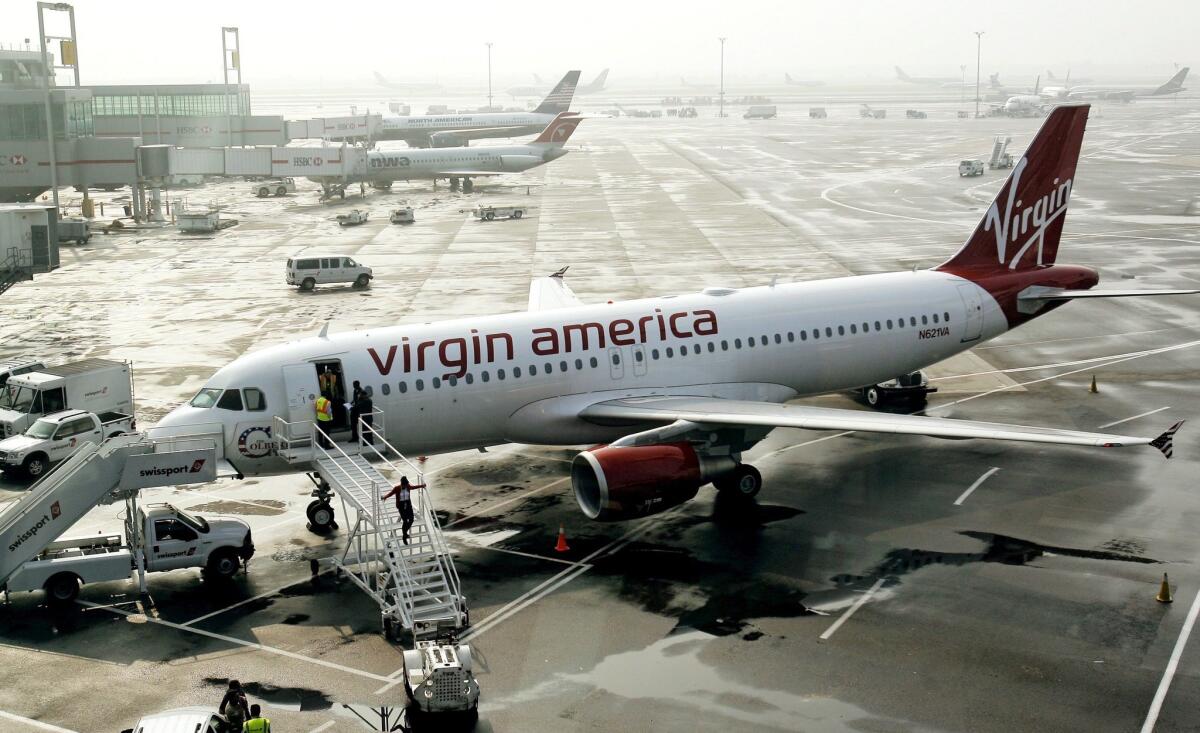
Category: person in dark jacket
<point>234,707</point>
<point>402,492</point>
<point>365,407</point>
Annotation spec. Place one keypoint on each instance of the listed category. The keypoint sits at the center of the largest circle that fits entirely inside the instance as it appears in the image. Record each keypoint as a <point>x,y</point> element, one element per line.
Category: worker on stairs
<point>403,493</point>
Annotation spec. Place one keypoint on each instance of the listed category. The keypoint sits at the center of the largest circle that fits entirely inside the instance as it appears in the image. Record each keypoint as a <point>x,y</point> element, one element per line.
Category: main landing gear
<point>743,482</point>
<point>467,185</point>
<point>321,518</point>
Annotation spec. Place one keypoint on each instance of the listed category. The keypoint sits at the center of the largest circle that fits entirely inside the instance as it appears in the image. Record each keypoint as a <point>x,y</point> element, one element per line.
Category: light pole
<point>962,90</point>
<point>721,95</point>
<point>489,45</point>
<point>978,52</point>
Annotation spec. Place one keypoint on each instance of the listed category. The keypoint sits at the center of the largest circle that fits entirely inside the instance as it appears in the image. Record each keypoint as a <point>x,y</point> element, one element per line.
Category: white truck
<point>969,168</point>
<point>278,187</point>
<point>760,112</point>
<point>160,538</point>
<point>95,385</point>
<point>17,366</point>
<point>488,213</point>
<point>54,437</point>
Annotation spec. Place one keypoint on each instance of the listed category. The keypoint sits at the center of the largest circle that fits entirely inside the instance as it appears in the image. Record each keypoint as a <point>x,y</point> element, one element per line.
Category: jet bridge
<point>416,584</point>
<point>99,473</point>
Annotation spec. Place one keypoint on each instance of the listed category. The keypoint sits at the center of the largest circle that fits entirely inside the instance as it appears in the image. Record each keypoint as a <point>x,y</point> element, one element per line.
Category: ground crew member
<point>233,705</point>
<point>356,395</point>
<point>256,723</point>
<point>402,492</point>
<point>328,382</point>
<point>366,409</point>
<point>324,421</point>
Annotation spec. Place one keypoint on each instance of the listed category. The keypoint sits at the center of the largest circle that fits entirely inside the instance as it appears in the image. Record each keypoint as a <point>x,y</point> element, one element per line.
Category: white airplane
<point>431,164</point>
<point>787,79</point>
<point>677,388</point>
<point>1118,94</point>
<point>592,87</point>
<point>1025,105</point>
<point>423,131</point>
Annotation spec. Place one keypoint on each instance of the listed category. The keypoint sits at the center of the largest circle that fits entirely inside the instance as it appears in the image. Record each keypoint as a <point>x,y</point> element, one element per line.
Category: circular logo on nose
<point>255,442</point>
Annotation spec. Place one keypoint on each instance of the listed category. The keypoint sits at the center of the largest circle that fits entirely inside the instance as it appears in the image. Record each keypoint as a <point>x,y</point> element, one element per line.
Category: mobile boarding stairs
<point>416,585</point>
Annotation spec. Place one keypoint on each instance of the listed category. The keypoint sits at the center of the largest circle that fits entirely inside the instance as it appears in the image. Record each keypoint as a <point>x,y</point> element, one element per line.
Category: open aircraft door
<point>300,385</point>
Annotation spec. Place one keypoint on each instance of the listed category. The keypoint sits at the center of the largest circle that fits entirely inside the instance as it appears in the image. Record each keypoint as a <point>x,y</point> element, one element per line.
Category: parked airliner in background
<point>1118,93</point>
<point>592,87</point>
<point>787,79</point>
<point>936,81</point>
<point>432,164</point>
<point>424,131</point>
<point>677,388</point>
<point>407,86</point>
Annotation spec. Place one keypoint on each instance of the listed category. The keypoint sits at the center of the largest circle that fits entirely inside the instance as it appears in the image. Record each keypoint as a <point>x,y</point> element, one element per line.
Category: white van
<point>309,272</point>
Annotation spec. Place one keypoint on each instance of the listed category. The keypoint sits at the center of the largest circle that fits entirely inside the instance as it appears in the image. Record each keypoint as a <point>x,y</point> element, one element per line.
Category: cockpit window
<point>206,397</point>
<point>255,401</point>
<point>231,400</point>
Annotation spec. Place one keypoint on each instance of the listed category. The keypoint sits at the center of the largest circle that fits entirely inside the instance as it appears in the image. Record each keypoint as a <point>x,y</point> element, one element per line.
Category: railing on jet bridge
<point>423,503</point>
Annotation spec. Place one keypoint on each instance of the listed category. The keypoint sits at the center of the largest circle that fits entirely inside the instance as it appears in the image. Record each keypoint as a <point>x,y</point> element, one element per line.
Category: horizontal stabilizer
<point>1033,298</point>
<point>1166,441</point>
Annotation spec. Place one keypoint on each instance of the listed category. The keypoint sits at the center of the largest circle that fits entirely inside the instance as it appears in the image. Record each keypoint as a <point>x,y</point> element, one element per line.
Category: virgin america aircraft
<point>673,390</point>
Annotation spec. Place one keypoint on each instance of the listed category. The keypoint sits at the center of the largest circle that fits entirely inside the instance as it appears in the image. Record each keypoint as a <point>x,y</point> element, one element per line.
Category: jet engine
<point>612,484</point>
<point>520,162</point>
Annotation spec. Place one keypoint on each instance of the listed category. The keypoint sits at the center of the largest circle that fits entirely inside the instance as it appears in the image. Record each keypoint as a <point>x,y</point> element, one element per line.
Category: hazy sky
<point>290,43</point>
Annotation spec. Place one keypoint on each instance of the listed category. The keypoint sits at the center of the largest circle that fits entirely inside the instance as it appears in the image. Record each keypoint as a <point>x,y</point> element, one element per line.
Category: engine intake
<point>612,484</point>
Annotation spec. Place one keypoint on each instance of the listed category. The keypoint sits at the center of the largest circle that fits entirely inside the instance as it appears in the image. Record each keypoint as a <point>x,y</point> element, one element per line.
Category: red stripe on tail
<point>1022,227</point>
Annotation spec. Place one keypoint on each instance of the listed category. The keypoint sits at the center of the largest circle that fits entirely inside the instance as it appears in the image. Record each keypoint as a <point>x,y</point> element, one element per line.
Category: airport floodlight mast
<point>231,60</point>
<point>962,88</point>
<point>721,95</point>
<point>489,44</point>
<point>978,51</point>
<point>68,58</point>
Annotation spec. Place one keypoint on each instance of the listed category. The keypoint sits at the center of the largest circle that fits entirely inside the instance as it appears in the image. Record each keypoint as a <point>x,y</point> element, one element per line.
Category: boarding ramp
<point>1000,156</point>
<point>416,584</point>
<point>97,473</point>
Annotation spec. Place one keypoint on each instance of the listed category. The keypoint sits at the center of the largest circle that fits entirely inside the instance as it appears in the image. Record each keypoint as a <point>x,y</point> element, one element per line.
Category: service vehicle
<point>73,229</point>
<point>402,215</point>
<point>817,113</point>
<point>488,213</point>
<point>687,113</point>
<point>912,386</point>
<point>95,385</point>
<point>16,366</point>
<point>278,187</point>
<point>309,272</point>
<point>760,112</point>
<point>182,720</point>
<point>161,536</point>
<point>970,168</point>
<point>54,437</point>
<point>438,678</point>
<point>915,114</point>
<point>354,218</point>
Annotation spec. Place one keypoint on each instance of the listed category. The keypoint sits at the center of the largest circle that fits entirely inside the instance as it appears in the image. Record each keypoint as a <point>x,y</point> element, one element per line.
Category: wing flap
<point>716,411</point>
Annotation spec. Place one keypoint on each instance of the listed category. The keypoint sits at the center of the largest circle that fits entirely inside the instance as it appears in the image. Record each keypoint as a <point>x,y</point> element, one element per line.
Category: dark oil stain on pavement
<point>255,508</point>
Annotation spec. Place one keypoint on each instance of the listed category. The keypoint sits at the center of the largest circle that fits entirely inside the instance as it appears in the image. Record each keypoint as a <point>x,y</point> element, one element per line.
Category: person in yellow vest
<point>257,723</point>
<point>324,420</point>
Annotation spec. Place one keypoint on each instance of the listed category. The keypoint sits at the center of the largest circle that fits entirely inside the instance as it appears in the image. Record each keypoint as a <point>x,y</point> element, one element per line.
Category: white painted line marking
<point>978,481</point>
<point>34,723</point>
<point>241,642</point>
<point>1135,417</point>
<point>850,611</point>
<point>323,726</point>
<point>1169,672</point>
<point>505,550</point>
<point>260,596</point>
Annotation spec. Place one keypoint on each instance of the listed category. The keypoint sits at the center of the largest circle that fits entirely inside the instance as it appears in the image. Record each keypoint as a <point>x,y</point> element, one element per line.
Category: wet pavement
<point>867,590</point>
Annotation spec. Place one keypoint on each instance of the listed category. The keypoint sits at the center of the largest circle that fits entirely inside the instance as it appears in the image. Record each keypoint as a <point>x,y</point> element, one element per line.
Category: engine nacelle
<point>520,162</point>
<point>612,484</point>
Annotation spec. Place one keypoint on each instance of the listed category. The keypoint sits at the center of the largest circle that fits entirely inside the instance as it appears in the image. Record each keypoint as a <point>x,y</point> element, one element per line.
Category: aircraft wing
<point>551,292</point>
<point>707,411</point>
<point>464,172</point>
<point>450,136</point>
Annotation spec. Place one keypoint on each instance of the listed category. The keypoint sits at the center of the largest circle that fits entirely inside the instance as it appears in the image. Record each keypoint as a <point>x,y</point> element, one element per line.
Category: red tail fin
<point>1022,227</point>
<point>560,128</point>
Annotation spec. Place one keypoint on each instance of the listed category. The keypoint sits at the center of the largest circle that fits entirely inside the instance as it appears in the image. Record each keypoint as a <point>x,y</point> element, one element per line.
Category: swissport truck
<point>54,437</point>
<point>94,385</point>
<point>160,536</point>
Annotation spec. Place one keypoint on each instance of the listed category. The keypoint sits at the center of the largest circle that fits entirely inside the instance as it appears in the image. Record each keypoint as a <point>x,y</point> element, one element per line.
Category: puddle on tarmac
<point>294,699</point>
<point>257,507</point>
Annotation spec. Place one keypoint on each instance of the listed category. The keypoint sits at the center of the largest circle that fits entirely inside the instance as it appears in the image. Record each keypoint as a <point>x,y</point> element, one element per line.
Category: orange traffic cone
<point>1164,592</point>
<point>422,459</point>
<point>562,540</point>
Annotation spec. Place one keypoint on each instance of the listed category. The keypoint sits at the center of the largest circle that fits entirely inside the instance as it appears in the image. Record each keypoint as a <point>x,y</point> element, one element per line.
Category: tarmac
<point>880,583</point>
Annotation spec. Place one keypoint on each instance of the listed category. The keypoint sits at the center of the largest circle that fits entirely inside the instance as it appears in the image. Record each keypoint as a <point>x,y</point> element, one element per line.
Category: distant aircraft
<point>410,86</point>
<point>669,393</point>
<point>937,81</point>
<point>424,131</point>
<point>787,78</point>
<point>596,85</point>
<point>1025,105</point>
<point>1118,94</point>
<point>459,163</point>
<point>1052,79</point>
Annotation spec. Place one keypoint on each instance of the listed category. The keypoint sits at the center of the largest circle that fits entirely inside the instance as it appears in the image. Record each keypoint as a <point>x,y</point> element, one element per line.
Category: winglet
<point>1166,442</point>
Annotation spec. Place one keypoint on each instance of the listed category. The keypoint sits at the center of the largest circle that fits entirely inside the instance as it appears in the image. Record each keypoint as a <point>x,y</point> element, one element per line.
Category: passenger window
<point>712,346</point>
<point>764,340</point>
<point>562,366</point>
<point>803,336</point>
<point>889,324</point>
<point>828,332</point>
<point>231,400</point>
<point>841,330</point>
<point>946,317</point>
<point>724,345</point>
<point>654,354</point>
<point>670,352</point>
<point>935,317</point>
<point>452,381</point>
<point>750,342</point>
<point>470,378</point>
<point>436,382</point>
<point>853,328</point>
<point>387,388</point>
<point>579,363</point>
<point>533,369</point>
<point>485,376</point>
<point>255,401</point>
<point>420,384</point>
<point>593,362</point>
<point>924,320</point>
<point>500,374</point>
<point>516,372</point>
<point>866,328</point>
<point>912,321</point>
<point>779,339</point>
<point>737,343</point>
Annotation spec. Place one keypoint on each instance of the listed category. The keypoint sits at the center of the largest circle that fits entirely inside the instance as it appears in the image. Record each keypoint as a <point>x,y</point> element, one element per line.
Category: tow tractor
<point>438,678</point>
<point>403,215</point>
<point>354,218</point>
<point>488,213</point>
<point>280,187</point>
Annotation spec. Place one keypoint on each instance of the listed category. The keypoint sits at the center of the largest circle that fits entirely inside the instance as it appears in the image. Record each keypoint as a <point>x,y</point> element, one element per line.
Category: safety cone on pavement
<point>1164,591</point>
<point>561,546</point>
<point>1094,389</point>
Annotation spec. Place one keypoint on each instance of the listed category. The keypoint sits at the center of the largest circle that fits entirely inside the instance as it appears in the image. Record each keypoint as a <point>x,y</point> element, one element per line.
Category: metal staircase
<point>416,584</point>
<point>13,269</point>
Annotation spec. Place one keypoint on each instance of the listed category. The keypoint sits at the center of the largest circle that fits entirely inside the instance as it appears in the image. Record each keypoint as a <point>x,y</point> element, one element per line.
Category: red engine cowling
<point>612,484</point>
